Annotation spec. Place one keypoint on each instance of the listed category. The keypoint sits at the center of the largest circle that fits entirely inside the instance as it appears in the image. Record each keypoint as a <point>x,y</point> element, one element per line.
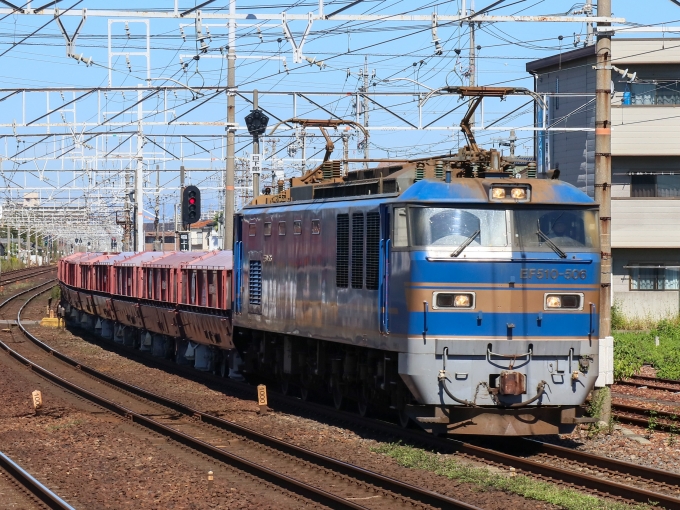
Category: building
<point>203,236</point>
<point>645,159</point>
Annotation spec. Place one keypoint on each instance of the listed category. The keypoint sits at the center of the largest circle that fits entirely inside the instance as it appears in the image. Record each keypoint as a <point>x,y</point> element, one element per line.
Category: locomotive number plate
<point>553,274</point>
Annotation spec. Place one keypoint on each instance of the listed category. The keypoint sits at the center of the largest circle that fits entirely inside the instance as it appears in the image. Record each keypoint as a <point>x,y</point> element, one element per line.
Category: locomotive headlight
<point>518,193</point>
<point>462,301</point>
<point>553,302</point>
<point>451,300</point>
<point>564,301</point>
<point>498,193</point>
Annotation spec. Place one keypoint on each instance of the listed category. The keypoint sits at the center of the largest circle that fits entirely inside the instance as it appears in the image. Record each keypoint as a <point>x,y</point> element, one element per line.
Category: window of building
<point>282,228</point>
<point>267,228</point>
<point>659,93</point>
<point>316,227</point>
<point>252,228</point>
<point>646,186</point>
<point>297,227</point>
<point>654,278</point>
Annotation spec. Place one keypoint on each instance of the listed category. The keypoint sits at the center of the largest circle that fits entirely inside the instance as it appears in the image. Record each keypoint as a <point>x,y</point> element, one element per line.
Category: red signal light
<point>192,201</point>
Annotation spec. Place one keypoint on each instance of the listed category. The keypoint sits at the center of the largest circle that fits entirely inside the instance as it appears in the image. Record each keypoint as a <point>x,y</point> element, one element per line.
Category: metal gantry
<point>83,157</point>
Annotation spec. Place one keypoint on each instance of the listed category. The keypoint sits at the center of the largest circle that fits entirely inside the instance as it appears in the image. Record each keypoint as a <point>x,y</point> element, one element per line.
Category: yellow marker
<point>210,479</point>
<point>262,397</point>
<point>37,399</point>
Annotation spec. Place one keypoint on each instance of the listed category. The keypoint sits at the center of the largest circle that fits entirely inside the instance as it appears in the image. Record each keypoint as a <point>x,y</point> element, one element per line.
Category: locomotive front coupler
<point>511,383</point>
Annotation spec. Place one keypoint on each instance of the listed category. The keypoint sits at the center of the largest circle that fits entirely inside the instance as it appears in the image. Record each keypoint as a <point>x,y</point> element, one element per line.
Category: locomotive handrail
<point>442,380</point>
<point>545,261</point>
<point>489,354</point>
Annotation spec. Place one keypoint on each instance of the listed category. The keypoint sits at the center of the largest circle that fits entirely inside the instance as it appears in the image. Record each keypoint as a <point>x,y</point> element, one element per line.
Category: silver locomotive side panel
<point>311,270</point>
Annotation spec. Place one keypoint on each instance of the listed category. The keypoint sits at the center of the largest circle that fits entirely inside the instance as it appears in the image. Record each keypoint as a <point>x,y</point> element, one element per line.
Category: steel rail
<point>577,479</point>
<point>650,385</point>
<point>656,475</point>
<point>36,488</point>
<point>643,416</point>
<point>320,496</point>
<point>23,276</point>
<point>657,379</point>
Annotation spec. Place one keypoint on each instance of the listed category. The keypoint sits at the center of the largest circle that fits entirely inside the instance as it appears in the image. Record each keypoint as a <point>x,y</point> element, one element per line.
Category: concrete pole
<point>345,152</point>
<point>139,177</point>
<point>231,133</point>
<point>365,108</point>
<point>603,172</point>
<point>256,150</point>
<point>472,57</point>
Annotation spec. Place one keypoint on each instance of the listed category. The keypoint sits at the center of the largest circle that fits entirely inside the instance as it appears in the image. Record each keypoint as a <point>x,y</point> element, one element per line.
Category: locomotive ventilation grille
<point>255,282</point>
<point>358,250</point>
<point>372,250</point>
<point>342,257</point>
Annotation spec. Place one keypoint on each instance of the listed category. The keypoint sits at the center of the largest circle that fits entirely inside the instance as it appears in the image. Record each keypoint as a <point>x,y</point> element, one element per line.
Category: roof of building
<point>648,50</point>
<point>560,58</point>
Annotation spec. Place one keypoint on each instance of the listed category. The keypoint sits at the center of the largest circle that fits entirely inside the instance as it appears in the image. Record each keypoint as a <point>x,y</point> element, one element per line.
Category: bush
<point>634,349</point>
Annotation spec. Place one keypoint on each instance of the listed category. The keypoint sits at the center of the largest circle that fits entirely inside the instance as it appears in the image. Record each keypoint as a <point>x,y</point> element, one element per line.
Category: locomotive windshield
<point>446,226</point>
<point>529,229</point>
<point>568,230</point>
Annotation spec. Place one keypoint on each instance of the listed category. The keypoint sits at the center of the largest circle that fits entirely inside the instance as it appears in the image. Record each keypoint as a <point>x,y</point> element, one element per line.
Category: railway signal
<point>191,205</point>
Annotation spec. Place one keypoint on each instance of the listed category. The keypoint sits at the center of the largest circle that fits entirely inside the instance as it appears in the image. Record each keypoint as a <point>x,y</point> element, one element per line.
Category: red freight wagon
<point>128,272</point>
<point>206,284</point>
<point>105,271</point>
<point>161,276</point>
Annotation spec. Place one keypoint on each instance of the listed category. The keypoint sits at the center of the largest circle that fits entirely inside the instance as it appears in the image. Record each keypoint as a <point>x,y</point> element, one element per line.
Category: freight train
<point>461,292</point>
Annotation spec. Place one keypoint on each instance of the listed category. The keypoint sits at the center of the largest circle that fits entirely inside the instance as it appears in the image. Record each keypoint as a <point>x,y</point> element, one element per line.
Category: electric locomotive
<point>467,304</point>
<point>460,291</point>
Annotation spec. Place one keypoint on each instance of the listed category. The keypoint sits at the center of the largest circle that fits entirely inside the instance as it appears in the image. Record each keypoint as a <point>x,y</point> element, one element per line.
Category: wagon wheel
<point>363,403</point>
<point>224,366</point>
<point>284,384</point>
<point>404,419</point>
<point>336,391</point>
<point>304,393</point>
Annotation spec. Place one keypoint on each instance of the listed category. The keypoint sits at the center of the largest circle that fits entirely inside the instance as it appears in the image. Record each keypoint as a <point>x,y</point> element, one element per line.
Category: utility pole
<point>365,108</point>
<point>127,226</point>
<point>156,220</point>
<point>603,172</point>
<point>256,150</point>
<point>345,152</point>
<point>588,9</point>
<point>139,177</point>
<point>473,64</point>
<point>231,135</point>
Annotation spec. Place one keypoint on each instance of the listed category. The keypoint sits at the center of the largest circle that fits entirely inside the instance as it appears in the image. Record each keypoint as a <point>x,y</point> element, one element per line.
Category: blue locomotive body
<point>469,306</point>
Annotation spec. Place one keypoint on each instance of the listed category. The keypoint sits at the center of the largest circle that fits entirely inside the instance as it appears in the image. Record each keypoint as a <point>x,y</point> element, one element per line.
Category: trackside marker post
<point>37,400</point>
<point>262,398</point>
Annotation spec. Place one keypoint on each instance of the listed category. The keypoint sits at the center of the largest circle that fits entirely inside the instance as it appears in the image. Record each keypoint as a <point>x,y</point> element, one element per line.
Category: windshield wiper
<point>466,243</point>
<point>550,243</point>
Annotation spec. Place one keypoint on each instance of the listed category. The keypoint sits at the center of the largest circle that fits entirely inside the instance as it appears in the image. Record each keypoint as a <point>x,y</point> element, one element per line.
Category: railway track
<point>648,418</point>
<point>600,475</point>
<point>302,472</point>
<point>652,383</point>
<point>38,496</point>
<point>18,275</point>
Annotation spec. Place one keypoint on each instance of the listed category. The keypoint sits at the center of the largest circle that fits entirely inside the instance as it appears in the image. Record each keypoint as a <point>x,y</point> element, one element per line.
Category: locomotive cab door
<point>383,278</point>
